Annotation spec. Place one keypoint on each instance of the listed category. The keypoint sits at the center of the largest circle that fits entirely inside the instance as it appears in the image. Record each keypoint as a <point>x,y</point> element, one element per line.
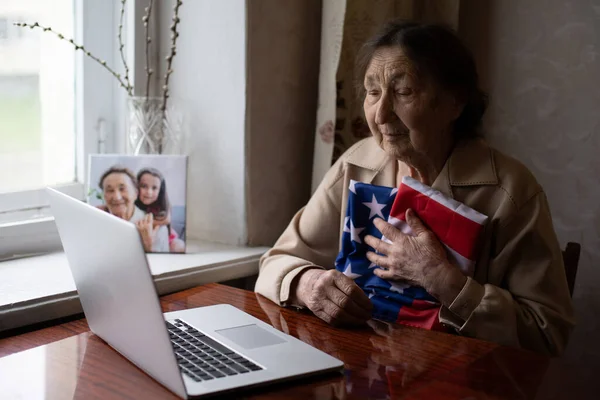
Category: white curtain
<point>332,30</point>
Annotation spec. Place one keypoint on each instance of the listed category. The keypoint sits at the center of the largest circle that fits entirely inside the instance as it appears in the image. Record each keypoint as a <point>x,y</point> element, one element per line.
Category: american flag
<point>457,226</point>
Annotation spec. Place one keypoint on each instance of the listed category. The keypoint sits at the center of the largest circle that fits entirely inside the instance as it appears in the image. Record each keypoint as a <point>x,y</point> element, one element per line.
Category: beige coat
<point>518,295</point>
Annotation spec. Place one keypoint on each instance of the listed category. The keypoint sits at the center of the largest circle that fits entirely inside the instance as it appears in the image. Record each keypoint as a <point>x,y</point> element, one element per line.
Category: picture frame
<point>147,190</point>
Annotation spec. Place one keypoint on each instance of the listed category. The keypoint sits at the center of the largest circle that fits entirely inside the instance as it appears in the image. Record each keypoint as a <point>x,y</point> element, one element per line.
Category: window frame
<point>26,225</point>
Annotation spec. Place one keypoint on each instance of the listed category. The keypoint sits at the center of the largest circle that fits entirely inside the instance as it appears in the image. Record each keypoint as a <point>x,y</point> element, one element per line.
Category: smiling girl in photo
<point>152,198</point>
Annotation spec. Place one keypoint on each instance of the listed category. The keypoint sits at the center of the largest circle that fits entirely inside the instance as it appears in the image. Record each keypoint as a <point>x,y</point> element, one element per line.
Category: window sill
<point>41,288</point>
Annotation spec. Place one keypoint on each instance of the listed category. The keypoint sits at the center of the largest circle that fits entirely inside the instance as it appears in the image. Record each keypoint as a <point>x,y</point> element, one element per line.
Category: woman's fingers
<point>380,260</point>
<point>347,304</point>
<point>415,223</point>
<point>388,230</point>
<point>351,290</point>
<point>334,315</point>
<point>336,299</point>
<point>378,245</point>
<point>384,273</point>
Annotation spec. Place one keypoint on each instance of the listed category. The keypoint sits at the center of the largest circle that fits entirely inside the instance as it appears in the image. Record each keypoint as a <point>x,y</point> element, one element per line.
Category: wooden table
<point>67,361</point>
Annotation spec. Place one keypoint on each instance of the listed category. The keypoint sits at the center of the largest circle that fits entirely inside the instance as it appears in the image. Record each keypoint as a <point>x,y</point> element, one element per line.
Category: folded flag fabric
<point>457,226</point>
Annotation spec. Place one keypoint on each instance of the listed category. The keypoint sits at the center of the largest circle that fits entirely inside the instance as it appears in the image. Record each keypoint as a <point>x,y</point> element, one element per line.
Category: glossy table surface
<point>381,361</point>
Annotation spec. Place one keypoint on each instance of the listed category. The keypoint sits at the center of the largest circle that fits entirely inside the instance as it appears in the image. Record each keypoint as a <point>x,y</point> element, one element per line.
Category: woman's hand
<point>333,297</point>
<point>147,231</point>
<point>420,260</point>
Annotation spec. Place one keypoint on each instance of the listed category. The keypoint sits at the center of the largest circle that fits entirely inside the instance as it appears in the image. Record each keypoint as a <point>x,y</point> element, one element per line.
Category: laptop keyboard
<point>202,358</point>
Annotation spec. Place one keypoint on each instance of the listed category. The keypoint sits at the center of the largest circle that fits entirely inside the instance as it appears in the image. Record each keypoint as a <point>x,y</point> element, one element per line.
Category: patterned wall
<point>540,61</point>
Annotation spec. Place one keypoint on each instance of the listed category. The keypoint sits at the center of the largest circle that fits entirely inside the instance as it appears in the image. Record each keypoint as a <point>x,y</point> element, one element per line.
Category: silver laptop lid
<point>116,290</point>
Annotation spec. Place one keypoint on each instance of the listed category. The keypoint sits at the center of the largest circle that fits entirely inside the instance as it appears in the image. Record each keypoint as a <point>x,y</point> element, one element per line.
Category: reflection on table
<point>382,361</point>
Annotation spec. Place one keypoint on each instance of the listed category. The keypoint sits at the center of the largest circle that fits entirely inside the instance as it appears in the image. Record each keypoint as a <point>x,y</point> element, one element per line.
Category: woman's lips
<point>396,132</point>
<point>393,136</point>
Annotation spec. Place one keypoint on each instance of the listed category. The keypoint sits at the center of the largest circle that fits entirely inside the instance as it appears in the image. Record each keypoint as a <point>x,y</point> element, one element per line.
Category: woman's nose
<point>385,109</point>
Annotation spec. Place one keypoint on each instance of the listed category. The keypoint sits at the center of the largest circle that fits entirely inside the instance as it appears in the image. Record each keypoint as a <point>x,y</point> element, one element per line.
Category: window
<point>53,104</point>
<point>3,28</point>
<point>37,97</point>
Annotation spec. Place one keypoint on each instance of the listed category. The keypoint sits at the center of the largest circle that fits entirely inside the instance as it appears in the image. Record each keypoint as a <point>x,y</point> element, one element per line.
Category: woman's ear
<point>457,105</point>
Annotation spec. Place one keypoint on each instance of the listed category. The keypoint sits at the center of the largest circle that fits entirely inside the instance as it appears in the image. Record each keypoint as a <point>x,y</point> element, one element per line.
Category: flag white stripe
<point>439,197</point>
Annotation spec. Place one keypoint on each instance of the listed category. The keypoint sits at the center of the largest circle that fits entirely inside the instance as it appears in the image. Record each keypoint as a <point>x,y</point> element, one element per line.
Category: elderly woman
<point>423,107</point>
<point>120,189</point>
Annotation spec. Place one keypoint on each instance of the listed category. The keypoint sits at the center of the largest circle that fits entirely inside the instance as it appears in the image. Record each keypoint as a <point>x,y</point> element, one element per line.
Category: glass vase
<point>152,129</point>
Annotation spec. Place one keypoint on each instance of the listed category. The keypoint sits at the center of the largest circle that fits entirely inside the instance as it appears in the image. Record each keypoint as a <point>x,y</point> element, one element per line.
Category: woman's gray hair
<point>118,169</point>
<point>437,53</point>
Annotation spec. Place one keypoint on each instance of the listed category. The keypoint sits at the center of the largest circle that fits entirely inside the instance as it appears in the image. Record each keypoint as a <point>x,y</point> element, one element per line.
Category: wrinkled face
<point>406,113</point>
<point>149,188</point>
<point>119,194</point>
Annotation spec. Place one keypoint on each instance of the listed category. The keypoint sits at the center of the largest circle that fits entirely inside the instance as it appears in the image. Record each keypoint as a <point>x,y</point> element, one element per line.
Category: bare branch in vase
<point>146,20</point>
<point>169,70</point>
<point>169,58</point>
<point>36,25</point>
<point>121,45</point>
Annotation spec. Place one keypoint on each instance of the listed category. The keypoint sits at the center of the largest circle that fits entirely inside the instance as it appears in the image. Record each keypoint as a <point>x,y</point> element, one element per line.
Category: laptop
<point>195,352</point>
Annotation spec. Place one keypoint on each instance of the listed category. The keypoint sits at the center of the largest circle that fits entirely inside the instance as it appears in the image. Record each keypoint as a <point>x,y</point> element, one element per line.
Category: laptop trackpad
<point>250,336</point>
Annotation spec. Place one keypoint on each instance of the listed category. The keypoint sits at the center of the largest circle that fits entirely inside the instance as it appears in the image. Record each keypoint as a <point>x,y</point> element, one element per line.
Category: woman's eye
<point>373,92</point>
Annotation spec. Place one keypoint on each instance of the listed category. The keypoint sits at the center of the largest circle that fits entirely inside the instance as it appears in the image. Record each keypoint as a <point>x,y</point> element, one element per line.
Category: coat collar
<point>471,163</point>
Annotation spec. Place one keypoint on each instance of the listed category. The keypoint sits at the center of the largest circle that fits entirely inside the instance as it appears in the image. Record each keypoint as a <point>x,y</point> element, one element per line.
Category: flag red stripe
<point>420,318</point>
<point>456,231</point>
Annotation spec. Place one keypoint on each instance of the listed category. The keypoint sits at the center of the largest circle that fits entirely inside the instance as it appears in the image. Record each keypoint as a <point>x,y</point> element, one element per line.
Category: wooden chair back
<point>571,260</point>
